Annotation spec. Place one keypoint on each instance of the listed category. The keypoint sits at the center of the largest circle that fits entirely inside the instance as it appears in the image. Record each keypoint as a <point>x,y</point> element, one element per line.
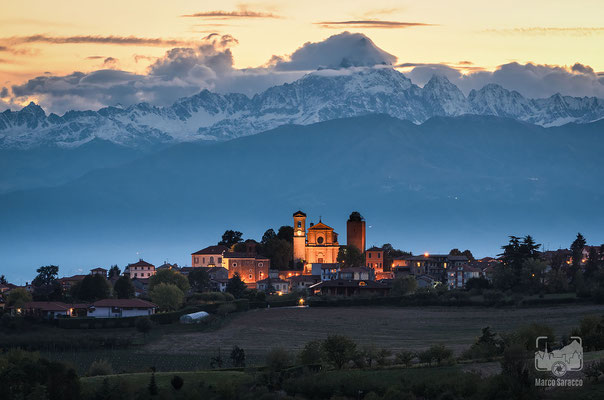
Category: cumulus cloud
<point>338,51</point>
<point>369,23</point>
<point>531,80</point>
<point>186,70</point>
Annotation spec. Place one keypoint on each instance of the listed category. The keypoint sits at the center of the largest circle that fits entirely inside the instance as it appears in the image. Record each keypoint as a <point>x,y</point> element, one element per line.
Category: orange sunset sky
<point>56,38</point>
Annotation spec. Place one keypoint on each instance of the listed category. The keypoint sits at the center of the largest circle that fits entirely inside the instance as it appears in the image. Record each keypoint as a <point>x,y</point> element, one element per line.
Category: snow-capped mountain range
<point>316,97</point>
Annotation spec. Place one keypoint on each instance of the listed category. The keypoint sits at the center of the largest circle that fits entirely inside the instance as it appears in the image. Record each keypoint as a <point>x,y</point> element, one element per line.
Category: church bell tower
<point>299,236</point>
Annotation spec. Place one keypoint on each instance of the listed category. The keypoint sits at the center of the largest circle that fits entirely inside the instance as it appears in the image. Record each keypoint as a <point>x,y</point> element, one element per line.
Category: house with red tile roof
<point>140,269</point>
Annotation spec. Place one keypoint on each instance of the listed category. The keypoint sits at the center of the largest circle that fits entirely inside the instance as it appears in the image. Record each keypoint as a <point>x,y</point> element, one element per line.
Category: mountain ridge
<point>318,96</point>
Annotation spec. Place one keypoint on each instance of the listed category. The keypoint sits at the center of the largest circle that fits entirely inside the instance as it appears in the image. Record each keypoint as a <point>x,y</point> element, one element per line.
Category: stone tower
<point>299,236</point>
<point>355,231</point>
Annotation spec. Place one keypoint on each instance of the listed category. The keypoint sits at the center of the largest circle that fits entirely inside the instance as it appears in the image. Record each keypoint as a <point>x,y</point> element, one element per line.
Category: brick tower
<point>355,231</point>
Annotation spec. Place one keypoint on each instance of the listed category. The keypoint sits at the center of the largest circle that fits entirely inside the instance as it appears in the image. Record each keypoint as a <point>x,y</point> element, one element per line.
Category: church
<point>319,244</point>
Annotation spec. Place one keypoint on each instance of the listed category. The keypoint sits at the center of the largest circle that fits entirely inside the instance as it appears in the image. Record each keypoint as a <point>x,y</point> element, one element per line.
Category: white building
<point>121,308</point>
<point>458,276</point>
<point>140,269</point>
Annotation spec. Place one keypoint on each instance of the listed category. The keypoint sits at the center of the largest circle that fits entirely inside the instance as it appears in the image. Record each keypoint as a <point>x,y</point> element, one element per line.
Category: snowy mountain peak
<point>319,96</point>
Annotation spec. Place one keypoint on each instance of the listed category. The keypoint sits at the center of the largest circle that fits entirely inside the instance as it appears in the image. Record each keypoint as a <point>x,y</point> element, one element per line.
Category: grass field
<point>397,328</point>
<point>190,348</point>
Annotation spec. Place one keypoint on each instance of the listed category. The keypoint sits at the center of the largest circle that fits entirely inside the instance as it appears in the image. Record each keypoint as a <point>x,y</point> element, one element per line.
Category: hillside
<point>450,182</point>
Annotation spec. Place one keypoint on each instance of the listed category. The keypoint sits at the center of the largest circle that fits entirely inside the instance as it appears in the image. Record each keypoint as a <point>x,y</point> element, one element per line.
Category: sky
<point>85,55</point>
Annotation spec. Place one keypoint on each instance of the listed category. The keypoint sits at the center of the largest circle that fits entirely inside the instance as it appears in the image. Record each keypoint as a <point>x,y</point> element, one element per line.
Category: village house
<point>211,256</point>
<point>278,286</point>
<point>120,308</point>
<point>49,309</point>
<point>140,269</point>
<point>303,282</point>
<point>250,267</point>
<point>459,276</point>
<point>434,265</point>
<point>99,271</point>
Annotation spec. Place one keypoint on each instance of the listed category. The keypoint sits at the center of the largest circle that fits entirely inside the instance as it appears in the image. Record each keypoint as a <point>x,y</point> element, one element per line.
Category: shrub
<point>339,350</point>
<point>177,382</point>
<point>100,367</point>
<point>493,296</point>
<point>312,353</point>
<point>278,359</point>
<point>405,357</point>
<point>143,325</point>
<point>225,309</point>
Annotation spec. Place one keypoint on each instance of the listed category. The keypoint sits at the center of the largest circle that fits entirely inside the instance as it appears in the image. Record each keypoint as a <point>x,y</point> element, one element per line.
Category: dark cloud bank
<point>186,70</point>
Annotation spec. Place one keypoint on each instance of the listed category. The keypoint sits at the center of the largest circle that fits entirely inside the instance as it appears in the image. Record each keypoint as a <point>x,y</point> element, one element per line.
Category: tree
<point>3,280</point>
<point>350,256</point>
<point>533,275</point>
<point>18,297</point>
<point>405,357</point>
<point>143,325</point>
<point>123,287</point>
<point>339,350</point>
<point>593,263</point>
<point>440,353</point>
<point>46,275</point>
<point>92,287</point>
<point>152,385</point>
<point>169,276</point>
<point>286,233</point>
<point>46,285</point>
<point>278,359</point>
<point>279,251</point>
<point>268,236</point>
<point>403,286</point>
<point>312,353</point>
<point>576,249</point>
<point>199,279</point>
<point>177,382</point>
<point>468,254</point>
<point>236,286</point>
<point>238,357</point>
<point>230,237</point>
<point>167,296</point>
<point>390,253</point>
<point>480,283</point>
<point>515,254</point>
<point>114,271</point>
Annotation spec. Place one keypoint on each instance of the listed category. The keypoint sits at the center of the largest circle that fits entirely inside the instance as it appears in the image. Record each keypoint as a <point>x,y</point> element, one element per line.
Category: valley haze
<point>429,169</point>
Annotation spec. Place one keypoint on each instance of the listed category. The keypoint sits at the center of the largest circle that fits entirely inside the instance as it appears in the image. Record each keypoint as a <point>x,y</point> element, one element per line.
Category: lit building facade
<point>317,245</point>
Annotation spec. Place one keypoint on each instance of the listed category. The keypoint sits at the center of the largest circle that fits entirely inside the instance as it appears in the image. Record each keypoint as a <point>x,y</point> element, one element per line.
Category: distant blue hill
<point>464,182</point>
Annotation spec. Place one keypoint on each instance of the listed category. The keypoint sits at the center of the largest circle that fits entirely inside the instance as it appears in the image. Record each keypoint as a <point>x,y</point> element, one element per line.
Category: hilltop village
<point>305,259</point>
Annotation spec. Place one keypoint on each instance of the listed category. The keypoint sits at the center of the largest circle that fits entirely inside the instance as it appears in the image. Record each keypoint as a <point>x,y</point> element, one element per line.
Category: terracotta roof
<point>299,214</point>
<point>98,269</point>
<point>218,249</point>
<point>141,263</point>
<point>72,278</point>
<point>375,249</point>
<point>126,303</point>
<point>231,254</point>
<point>272,280</point>
<point>46,306</point>
<point>320,226</point>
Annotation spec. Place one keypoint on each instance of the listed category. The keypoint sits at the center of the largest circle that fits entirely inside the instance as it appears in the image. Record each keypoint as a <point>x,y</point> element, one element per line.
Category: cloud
<point>531,80</point>
<point>369,23</point>
<point>231,15</point>
<point>541,30</point>
<point>338,51</point>
<point>186,70</point>
<point>114,40</point>
<point>110,62</point>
